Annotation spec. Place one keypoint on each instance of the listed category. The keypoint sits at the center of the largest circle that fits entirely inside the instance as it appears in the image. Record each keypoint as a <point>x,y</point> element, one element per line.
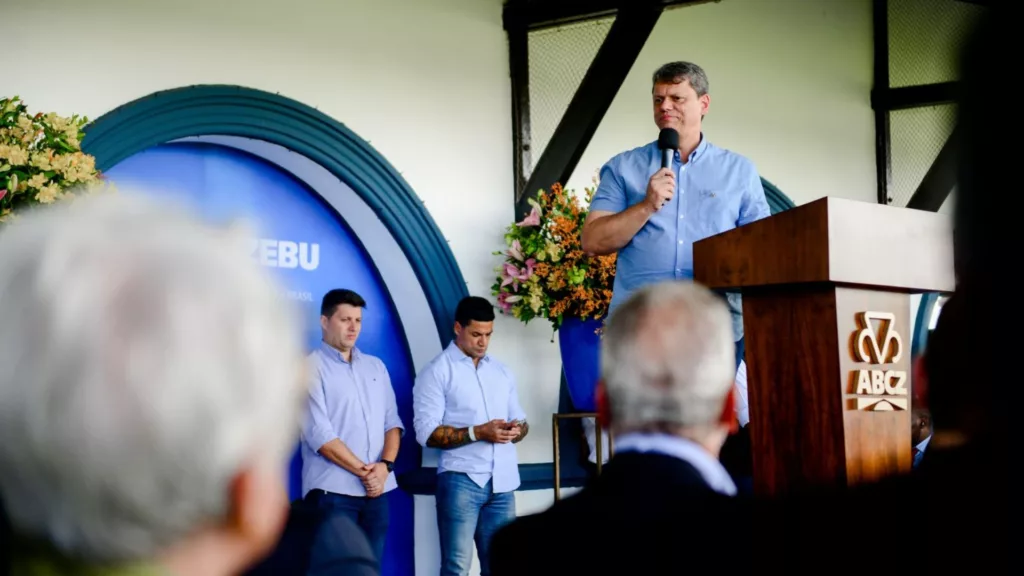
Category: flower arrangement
<point>41,158</point>
<point>546,273</point>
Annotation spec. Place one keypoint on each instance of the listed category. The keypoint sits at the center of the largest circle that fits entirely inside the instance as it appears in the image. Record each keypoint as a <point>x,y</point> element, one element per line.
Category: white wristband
<point>472,436</point>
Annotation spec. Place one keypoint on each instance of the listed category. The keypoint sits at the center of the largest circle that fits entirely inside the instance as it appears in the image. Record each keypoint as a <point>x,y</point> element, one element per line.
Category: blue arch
<point>238,111</point>
<point>777,201</point>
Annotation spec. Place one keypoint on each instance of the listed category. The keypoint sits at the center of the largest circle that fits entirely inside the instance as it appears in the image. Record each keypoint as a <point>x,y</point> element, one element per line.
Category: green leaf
<point>576,276</point>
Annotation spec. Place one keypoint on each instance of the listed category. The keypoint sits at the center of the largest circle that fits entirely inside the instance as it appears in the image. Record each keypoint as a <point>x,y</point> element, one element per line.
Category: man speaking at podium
<point>655,201</point>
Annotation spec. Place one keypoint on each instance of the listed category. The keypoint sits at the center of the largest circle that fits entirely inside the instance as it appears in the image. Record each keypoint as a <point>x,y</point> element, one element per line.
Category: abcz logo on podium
<point>878,389</point>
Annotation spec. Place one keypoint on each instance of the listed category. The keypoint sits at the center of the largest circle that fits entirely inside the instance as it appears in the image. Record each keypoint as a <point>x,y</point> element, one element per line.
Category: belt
<point>314,495</point>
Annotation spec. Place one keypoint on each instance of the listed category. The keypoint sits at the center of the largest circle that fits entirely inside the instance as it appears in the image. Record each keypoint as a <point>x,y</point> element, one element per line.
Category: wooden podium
<point>826,315</point>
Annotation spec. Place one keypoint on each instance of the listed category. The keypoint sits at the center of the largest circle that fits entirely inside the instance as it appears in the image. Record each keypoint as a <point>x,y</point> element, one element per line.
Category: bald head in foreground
<point>667,375</point>
<point>150,392</point>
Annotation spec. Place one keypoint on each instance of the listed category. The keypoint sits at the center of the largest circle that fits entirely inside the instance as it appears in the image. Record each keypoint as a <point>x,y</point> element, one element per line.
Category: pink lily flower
<point>510,275</point>
<point>514,276</point>
<point>3,193</point>
<point>533,219</point>
<point>528,271</point>
<point>505,301</point>
<point>516,251</point>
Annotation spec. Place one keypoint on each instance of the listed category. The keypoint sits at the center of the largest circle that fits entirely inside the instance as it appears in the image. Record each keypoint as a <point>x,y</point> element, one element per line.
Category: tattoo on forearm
<point>448,437</point>
<point>523,431</point>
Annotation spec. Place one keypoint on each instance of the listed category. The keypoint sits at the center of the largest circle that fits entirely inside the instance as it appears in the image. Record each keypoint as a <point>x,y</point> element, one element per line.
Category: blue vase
<point>581,350</point>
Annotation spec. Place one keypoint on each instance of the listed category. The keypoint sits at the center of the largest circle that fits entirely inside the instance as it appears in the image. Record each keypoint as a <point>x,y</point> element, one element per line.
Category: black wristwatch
<point>389,464</point>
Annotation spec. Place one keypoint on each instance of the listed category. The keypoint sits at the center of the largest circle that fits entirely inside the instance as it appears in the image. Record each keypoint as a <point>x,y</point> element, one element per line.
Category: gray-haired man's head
<point>150,386</point>
<point>678,72</point>
<point>668,361</point>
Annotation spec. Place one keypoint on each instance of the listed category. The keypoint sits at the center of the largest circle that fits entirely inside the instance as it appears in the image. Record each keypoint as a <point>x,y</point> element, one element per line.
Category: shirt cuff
<point>605,205</point>
<point>424,429</point>
<point>319,437</point>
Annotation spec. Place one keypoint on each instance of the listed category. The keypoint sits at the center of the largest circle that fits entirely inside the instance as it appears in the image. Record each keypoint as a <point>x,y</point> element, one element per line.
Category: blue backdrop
<point>312,250</point>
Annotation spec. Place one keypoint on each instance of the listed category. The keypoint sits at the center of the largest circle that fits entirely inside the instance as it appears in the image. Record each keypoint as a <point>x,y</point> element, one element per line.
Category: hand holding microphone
<point>662,186</point>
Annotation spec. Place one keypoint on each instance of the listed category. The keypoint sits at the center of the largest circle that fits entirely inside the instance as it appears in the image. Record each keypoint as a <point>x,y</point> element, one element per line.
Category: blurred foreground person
<point>666,391</point>
<point>150,390</point>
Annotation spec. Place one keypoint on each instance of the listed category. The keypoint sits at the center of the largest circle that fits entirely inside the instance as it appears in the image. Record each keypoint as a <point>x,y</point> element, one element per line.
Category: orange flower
<point>578,284</point>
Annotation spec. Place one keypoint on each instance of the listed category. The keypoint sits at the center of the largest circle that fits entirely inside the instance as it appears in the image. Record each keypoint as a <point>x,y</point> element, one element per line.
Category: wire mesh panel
<point>925,39</point>
<point>916,136</point>
<point>558,60</point>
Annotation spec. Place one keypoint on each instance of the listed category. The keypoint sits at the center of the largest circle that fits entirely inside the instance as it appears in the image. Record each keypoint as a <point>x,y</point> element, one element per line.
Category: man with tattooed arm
<point>465,404</point>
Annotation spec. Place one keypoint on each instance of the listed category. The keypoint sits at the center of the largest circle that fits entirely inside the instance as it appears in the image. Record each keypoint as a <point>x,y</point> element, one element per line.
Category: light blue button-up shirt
<point>710,469</point>
<point>354,402</point>
<point>717,190</point>
<point>451,391</point>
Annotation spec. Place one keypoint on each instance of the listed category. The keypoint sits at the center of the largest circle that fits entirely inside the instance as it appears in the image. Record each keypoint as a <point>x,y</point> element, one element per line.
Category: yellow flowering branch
<point>41,158</point>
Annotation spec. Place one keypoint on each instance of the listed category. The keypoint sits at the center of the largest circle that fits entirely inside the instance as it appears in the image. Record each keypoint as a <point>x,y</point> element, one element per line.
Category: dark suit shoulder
<point>640,515</point>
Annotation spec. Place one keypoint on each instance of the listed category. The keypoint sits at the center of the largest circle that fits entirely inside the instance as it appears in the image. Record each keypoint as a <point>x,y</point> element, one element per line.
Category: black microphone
<point>668,141</point>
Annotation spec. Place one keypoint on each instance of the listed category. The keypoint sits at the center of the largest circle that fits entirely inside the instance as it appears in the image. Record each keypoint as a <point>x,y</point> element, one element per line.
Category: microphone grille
<point>668,139</point>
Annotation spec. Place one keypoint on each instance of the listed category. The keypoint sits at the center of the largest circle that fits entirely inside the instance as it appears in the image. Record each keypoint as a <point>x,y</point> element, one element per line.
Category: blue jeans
<point>371,514</point>
<point>468,513</point>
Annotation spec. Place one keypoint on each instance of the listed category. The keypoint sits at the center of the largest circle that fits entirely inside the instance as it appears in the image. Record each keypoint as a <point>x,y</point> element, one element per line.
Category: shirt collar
<point>455,354</point>
<point>335,354</point>
<point>695,155</point>
<point>923,443</point>
<point>686,450</point>
<point>700,149</point>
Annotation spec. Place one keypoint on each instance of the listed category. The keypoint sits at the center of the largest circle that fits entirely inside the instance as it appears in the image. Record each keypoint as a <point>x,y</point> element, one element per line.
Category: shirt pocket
<point>713,213</point>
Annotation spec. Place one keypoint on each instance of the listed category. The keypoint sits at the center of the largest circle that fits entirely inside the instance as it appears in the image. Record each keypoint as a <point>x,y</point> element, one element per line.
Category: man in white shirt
<point>465,403</point>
